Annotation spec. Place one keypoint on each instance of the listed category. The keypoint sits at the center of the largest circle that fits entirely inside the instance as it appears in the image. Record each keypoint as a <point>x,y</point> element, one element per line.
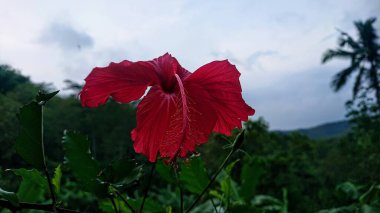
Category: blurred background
<point>308,147</point>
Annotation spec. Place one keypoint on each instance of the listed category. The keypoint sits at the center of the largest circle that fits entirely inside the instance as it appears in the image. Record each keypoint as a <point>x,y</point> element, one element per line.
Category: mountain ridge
<point>322,131</point>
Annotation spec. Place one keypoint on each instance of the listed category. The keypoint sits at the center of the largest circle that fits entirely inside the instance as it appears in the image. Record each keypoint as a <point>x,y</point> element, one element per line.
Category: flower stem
<point>235,146</point>
<point>147,187</point>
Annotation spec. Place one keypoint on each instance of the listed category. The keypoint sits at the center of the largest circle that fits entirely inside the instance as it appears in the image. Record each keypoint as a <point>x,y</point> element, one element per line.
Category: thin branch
<point>114,204</point>
<point>44,207</point>
<point>213,204</point>
<point>147,187</point>
<point>125,201</point>
<point>210,182</point>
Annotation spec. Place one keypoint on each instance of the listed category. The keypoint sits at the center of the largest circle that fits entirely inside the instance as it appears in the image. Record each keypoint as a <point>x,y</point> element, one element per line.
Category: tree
<point>364,54</point>
<point>10,78</point>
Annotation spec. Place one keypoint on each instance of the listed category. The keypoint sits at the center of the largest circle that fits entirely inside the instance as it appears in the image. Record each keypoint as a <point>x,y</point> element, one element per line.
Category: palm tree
<point>364,55</point>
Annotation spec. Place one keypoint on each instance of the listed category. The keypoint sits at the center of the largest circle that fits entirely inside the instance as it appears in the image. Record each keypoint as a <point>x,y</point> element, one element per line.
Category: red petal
<point>216,85</point>
<point>125,82</point>
<point>154,113</point>
<point>166,67</point>
<point>163,125</point>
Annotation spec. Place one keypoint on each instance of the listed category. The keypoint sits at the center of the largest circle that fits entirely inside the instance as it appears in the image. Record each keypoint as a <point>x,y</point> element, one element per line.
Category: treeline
<point>271,173</point>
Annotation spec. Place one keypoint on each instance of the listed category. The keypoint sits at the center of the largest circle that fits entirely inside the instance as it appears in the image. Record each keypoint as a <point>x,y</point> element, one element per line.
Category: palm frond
<point>368,37</point>
<point>358,82</point>
<point>339,53</point>
<point>341,78</point>
<point>346,39</point>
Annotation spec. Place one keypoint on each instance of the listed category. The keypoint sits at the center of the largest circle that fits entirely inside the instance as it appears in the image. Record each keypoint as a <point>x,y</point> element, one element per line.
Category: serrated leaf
<point>56,181</point>
<point>33,185</point>
<point>83,166</point>
<point>9,196</point>
<point>29,139</point>
<point>194,176</point>
<point>44,97</point>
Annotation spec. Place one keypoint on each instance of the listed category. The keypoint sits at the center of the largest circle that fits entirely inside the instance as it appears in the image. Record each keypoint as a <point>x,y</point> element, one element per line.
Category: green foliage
<point>29,143</point>
<point>29,140</point>
<point>56,180</point>
<point>33,185</point>
<point>10,196</point>
<point>165,171</point>
<point>252,170</point>
<point>195,170</point>
<point>83,166</point>
<point>10,78</point>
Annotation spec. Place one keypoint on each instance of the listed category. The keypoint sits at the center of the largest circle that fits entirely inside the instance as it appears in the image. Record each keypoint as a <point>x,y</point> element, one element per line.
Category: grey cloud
<point>66,37</point>
<point>300,100</point>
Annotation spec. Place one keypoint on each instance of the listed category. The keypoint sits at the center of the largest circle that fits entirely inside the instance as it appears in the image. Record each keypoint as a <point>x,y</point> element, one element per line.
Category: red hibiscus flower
<point>181,108</point>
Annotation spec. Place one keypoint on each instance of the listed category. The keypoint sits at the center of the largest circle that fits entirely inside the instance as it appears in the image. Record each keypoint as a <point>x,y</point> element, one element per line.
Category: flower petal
<point>162,125</point>
<point>125,81</point>
<point>166,67</point>
<point>216,85</point>
<point>154,113</point>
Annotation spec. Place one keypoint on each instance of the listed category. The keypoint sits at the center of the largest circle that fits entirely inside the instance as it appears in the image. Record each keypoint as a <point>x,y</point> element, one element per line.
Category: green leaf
<point>29,139</point>
<point>251,172</point>
<point>9,196</point>
<point>347,190</point>
<point>194,176</point>
<point>165,171</point>
<point>228,185</point>
<point>244,208</point>
<point>122,172</point>
<point>83,166</point>
<point>371,195</point>
<point>44,97</point>
<point>267,202</point>
<point>33,185</point>
<point>106,206</point>
<point>150,205</point>
<point>57,179</point>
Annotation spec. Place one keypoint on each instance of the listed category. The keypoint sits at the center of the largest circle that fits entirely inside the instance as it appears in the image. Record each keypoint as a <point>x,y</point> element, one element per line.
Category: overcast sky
<point>276,45</point>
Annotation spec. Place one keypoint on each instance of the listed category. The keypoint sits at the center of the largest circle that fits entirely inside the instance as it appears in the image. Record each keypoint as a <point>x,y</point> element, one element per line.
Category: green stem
<point>211,181</point>
<point>51,189</point>
<point>125,201</point>
<point>147,188</point>
<point>114,204</point>
<point>180,189</point>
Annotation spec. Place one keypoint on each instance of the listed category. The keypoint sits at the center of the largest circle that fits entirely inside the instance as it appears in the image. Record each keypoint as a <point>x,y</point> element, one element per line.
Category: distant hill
<point>323,131</point>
